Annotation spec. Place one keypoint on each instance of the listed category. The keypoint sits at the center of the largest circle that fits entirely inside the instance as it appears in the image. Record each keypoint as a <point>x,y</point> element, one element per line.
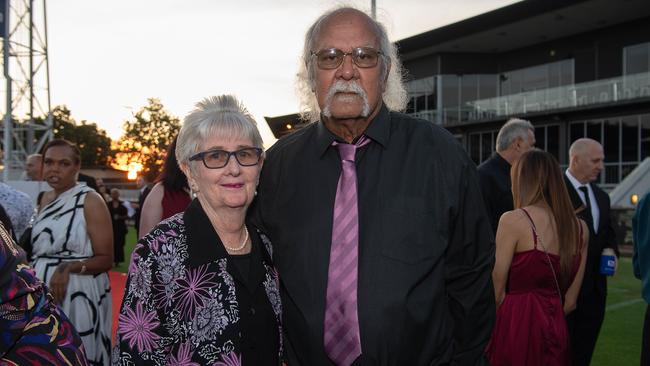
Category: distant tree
<point>93,142</point>
<point>146,138</point>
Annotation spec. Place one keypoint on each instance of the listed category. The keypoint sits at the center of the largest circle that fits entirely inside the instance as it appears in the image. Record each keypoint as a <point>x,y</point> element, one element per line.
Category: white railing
<point>568,96</point>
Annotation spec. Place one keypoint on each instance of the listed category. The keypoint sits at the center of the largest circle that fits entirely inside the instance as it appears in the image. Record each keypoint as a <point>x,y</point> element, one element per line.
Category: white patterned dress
<point>59,234</point>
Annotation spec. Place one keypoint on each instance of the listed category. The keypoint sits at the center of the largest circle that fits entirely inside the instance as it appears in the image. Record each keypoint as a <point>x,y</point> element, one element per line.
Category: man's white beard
<point>346,87</point>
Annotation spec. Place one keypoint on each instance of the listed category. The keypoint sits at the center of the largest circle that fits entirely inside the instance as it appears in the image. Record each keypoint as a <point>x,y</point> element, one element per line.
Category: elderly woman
<point>73,248</point>
<point>201,286</point>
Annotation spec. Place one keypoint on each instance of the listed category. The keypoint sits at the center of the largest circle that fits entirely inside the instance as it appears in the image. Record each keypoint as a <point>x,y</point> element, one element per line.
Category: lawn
<point>620,338</point>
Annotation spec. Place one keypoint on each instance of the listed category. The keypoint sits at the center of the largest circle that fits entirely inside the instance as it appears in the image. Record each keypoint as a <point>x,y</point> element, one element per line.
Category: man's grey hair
<point>513,129</point>
<point>223,116</point>
<point>394,96</point>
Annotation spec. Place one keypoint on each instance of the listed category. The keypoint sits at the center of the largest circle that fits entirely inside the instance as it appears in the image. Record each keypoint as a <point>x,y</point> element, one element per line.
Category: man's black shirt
<point>425,294</point>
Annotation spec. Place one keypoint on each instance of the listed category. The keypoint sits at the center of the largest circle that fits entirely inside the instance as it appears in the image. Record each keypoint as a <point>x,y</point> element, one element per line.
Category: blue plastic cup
<point>607,262</point>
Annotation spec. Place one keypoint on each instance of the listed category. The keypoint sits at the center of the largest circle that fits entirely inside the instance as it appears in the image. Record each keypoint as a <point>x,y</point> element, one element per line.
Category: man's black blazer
<point>594,283</point>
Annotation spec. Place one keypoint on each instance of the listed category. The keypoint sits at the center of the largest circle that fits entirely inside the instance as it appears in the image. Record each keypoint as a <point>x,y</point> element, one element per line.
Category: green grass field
<point>620,337</point>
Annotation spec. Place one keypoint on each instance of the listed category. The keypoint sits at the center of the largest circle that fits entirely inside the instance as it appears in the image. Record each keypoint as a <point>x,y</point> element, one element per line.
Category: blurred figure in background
<point>119,215</point>
<point>102,190</point>
<point>169,196</point>
<point>540,260</point>
<point>586,161</point>
<point>18,206</point>
<point>33,330</point>
<point>33,167</point>
<point>516,137</point>
<point>73,249</point>
<point>143,190</point>
<point>641,262</point>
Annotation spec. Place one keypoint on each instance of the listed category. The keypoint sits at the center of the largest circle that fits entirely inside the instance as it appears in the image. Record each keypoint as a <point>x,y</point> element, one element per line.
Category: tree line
<point>145,139</point>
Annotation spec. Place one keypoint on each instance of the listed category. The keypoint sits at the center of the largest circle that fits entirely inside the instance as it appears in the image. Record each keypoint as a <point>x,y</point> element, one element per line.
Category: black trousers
<point>645,342</point>
<point>584,326</point>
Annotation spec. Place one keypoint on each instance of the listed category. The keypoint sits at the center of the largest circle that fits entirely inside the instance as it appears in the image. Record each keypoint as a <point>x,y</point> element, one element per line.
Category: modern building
<point>574,68</point>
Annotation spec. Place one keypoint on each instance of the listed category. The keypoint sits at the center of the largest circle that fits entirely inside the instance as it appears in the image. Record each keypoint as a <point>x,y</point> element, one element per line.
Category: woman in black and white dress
<point>73,249</point>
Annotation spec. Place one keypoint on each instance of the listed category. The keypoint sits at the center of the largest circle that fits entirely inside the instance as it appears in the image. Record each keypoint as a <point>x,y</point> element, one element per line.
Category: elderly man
<point>382,242</point>
<point>34,167</point>
<point>515,138</point>
<point>585,164</point>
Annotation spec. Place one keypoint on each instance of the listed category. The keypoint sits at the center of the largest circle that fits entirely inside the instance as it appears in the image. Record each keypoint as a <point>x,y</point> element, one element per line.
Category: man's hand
<point>59,282</point>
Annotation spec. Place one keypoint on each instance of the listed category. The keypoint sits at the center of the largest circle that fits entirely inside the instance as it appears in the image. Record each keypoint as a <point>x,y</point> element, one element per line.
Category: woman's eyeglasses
<point>216,159</point>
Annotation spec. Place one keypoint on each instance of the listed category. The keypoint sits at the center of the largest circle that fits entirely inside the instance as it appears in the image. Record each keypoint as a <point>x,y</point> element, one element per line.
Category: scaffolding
<point>27,122</point>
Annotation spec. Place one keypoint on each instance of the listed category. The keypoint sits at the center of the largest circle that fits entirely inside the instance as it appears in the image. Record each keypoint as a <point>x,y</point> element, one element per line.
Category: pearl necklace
<point>243,244</point>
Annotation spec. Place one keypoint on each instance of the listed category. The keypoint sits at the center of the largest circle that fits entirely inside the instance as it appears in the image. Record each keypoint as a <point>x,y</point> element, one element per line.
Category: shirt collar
<point>378,130</point>
<point>203,242</point>
<point>574,181</point>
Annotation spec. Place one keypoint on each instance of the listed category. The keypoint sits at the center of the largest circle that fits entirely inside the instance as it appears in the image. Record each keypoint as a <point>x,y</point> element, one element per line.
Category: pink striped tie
<point>341,333</point>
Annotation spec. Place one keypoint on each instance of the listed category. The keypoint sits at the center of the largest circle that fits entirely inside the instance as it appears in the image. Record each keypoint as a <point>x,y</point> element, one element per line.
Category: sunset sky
<point>107,58</point>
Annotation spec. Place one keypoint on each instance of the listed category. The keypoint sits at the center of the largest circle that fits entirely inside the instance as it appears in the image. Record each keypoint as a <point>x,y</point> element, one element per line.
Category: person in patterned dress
<point>201,288</point>
<point>72,243</point>
<point>33,330</point>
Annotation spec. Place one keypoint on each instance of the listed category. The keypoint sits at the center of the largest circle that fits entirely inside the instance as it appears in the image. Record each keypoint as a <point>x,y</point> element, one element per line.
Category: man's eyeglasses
<point>216,159</point>
<point>331,58</point>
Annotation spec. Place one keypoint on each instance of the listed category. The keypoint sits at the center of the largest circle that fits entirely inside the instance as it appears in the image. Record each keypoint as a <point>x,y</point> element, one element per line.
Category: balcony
<point>587,94</point>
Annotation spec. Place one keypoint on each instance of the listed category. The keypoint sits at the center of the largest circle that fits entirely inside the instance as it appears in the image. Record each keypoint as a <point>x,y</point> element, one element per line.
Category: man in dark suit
<point>379,233</point>
<point>586,163</point>
<point>515,138</point>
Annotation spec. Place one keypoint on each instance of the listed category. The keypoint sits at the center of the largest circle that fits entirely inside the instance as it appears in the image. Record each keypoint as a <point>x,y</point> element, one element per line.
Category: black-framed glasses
<point>331,58</point>
<point>216,159</point>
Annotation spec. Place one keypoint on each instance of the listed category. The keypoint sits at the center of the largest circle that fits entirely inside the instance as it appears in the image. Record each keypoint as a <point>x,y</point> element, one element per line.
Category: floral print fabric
<point>33,330</point>
<point>177,312</point>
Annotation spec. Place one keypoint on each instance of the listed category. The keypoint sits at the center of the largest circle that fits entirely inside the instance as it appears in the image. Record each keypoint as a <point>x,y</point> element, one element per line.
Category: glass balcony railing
<point>569,96</point>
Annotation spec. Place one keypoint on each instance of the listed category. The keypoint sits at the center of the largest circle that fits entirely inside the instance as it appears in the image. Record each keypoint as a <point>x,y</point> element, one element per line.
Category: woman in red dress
<point>168,197</point>
<point>540,261</point>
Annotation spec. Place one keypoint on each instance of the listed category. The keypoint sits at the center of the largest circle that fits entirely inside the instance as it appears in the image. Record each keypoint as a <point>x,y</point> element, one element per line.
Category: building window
<point>644,126</point>
<point>422,98</point>
<point>547,138</point>
<point>482,145</point>
<point>538,77</point>
<point>636,59</point>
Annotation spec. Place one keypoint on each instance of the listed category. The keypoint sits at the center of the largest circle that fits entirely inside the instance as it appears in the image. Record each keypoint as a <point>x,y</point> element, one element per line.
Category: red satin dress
<point>530,327</point>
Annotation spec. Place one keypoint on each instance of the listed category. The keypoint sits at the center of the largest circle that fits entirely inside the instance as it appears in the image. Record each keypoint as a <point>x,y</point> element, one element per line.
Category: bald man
<point>34,167</point>
<point>586,163</point>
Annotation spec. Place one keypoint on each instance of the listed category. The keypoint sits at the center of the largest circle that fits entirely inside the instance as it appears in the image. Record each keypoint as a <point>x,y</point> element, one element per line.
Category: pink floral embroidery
<point>194,289</point>
<point>136,327</point>
<point>183,357</point>
<point>229,359</point>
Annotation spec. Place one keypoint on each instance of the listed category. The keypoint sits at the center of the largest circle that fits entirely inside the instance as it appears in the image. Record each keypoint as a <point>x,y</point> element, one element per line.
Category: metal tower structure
<point>27,122</point>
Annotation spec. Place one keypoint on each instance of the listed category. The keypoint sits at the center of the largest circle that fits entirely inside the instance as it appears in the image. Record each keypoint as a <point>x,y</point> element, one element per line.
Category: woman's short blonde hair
<point>223,116</point>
